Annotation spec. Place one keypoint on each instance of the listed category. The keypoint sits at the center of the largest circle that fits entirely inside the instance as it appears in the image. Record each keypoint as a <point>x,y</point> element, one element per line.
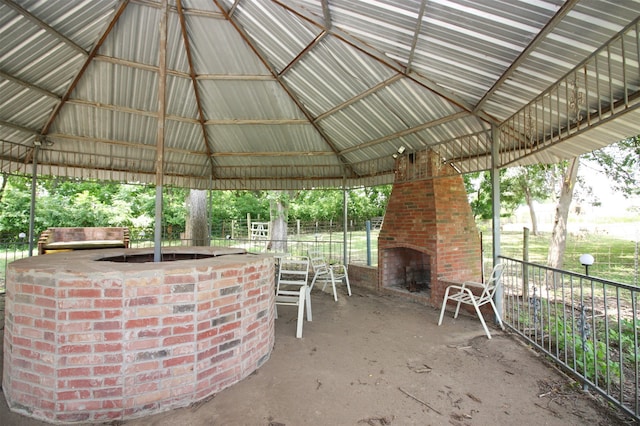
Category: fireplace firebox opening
<point>407,269</point>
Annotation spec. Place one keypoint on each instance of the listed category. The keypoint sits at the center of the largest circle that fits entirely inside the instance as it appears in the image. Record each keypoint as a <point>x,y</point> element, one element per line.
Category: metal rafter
<point>406,132</point>
<point>416,34</point>
<point>92,54</point>
<point>194,82</point>
<point>284,86</point>
<point>385,60</point>
<point>22,11</point>
<point>29,86</point>
<point>549,27</point>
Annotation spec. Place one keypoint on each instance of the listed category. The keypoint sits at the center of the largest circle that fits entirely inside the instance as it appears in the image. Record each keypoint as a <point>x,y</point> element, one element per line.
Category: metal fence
<point>588,325</point>
<point>327,237</point>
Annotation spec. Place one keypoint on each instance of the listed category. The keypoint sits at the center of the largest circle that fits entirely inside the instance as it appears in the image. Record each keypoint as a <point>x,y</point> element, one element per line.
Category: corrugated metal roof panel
<point>24,107</point>
<point>587,27</point>
<point>278,34</point>
<point>135,36</point>
<point>218,49</point>
<point>119,85</point>
<point>332,73</point>
<point>260,100</point>
<point>283,138</point>
<point>346,82</point>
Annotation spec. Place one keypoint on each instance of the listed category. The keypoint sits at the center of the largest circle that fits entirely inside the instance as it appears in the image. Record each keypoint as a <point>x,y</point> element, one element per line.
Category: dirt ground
<point>380,360</point>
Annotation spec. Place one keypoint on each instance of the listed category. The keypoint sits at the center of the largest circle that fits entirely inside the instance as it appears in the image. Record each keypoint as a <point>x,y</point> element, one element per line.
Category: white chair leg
<point>300,313</point>
<point>484,325</point>
<point>333,285</point>
<point>346,279</point>
<point>308,301</point>
<point>444,305</point>
<point>495,310</point>
<point>457,310</point>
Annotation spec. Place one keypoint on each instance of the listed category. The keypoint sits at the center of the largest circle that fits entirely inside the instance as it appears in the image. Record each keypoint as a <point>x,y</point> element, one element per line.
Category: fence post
<point>368,227</point>
<point>525,258</point>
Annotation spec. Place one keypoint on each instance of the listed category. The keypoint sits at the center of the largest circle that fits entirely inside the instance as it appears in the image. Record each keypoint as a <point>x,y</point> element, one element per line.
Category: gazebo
<point>295,94</point>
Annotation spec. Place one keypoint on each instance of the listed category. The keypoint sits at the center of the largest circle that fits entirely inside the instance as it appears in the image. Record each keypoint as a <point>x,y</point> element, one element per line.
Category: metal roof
<point>288,94</point>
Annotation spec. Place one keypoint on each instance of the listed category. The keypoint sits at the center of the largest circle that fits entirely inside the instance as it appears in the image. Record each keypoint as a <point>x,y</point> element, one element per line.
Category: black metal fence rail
<point>588,325</point>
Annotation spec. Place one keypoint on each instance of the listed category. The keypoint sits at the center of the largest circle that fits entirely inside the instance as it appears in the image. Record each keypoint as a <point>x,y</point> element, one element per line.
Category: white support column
<point>495,203</point>
<point>162,80</point>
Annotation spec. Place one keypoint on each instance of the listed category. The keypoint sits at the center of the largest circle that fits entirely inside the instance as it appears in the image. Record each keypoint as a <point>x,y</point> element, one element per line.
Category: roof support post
<point>345,200</point>
<point>32,207</point>
<point>495,203</point>
<point>162,81</point>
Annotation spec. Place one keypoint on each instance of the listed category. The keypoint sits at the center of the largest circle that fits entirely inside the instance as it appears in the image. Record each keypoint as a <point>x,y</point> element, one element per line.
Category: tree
<point>478,186</point>
<point>555,257</point>
<point>621,163</point>
<point>530,184</point>
<point>278,212</point>
<point>197,224</point>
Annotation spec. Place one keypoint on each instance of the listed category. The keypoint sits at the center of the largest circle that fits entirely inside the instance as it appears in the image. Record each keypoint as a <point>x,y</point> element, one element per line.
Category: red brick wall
<point>363,276</point>
<point>432,216</point>
<point>98,347</point>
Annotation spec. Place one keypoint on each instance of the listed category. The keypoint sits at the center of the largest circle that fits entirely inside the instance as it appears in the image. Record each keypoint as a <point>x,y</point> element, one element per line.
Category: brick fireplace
<point>429,234</point>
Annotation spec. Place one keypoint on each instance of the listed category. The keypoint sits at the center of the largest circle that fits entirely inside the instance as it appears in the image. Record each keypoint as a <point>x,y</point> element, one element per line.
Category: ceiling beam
<point>524,55</point>
<point>326,14</point>
<point>119,10</point>
<point>348,169</point>
<point>50,30</point>
<point>406,132</point>
<point>304,51</point>
<point>29,86</point>
<point>416,34</point>
<point>195,121</point>
<point>385,60</point>
<point>18,127</point>
<point>358,97</point>
<point>134,145</point>
<point>175,73</point>
<point>194,83</point>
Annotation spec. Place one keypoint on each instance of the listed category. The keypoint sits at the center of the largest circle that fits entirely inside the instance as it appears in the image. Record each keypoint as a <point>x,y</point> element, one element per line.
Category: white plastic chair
<point>292,288</point>
<point>327,273</point>
<point>464,294</point>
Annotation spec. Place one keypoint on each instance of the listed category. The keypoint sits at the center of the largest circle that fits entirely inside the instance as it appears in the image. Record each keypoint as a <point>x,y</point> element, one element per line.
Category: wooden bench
<point>67,239</point>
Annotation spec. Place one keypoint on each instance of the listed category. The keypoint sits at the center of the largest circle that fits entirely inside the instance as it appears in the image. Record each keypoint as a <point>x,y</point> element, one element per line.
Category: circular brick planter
<point>96,341</point>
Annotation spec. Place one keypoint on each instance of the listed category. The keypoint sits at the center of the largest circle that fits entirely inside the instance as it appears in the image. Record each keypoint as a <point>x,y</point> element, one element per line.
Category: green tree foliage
<point>621,163</point>
<point>69,202</point>
<point>478,187</point>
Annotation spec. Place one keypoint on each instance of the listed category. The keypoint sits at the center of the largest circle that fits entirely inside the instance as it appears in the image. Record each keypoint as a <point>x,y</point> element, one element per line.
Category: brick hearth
<point>428,225</point>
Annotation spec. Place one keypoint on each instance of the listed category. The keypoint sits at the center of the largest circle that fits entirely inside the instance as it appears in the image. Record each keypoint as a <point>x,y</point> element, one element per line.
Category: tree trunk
<point>279,212</point>
<point>196,228</point>
<point>3,176</point>
<point>532,212</point>
<point>559,234</point>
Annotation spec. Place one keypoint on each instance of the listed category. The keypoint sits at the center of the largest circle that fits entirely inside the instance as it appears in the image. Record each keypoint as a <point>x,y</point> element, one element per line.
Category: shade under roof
<point>287,94</point>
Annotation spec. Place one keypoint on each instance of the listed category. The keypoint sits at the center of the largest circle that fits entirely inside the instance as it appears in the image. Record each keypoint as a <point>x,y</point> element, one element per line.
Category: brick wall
<point>431,216</point>
<point>363,276</point>
<point>99,346</point>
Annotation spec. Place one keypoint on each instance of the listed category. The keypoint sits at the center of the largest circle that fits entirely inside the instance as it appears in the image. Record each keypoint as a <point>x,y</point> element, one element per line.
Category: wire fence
<point>252,235</point>
<point>588,325</point>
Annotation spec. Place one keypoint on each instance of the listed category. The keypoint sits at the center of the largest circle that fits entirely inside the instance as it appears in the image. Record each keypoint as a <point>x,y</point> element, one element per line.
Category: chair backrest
<point>293,271</point>
<point>318,263</point>
<point>494,279</point>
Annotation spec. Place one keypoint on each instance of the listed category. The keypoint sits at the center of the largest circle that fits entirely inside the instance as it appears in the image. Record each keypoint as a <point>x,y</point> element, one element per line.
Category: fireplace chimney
<point>429,233</point>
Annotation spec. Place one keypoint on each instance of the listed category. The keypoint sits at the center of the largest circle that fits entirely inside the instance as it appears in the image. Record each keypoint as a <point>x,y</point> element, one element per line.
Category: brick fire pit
<point>96,341</point>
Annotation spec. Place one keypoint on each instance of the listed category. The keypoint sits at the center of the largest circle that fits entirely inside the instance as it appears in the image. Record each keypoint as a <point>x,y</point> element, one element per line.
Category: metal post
<point>368,226</point>
<point>32,207</point>
<point>345,200</point>
<point>162,81</point>
<point>495,201</point>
